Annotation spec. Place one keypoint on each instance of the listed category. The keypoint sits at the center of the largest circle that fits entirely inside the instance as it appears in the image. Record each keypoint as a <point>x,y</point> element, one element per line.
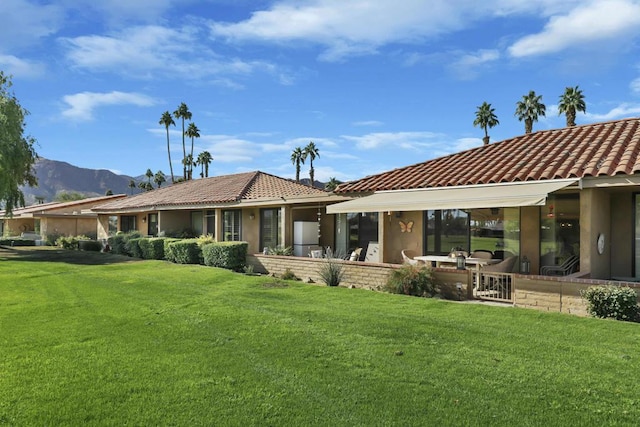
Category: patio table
<point>443,259</point>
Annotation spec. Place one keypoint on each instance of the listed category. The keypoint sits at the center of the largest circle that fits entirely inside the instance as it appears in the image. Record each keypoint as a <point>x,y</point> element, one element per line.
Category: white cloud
<point>82,105</point>
<point>590,22</point>
<point>23,23</point>
<point>368,123</point>
<point>20,68</point>
<point>635,86</point>
<point>623,110</point>
<point>412,140</point>
<point>467,65</point>
<point>145,51</point>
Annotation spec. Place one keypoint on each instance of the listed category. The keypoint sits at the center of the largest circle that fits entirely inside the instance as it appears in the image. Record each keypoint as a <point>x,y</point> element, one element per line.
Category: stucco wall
<point>595,218</point>
<point>622,234</point>
<point>395,240</point>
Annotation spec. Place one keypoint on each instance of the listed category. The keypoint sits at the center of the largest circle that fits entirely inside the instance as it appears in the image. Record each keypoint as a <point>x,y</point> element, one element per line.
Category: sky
<point>375,84</point>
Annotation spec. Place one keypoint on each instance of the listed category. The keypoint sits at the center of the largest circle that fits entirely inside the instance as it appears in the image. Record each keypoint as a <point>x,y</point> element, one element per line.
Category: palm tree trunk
<point>184,154</point>
<point>311,172</point>
<point>169,153</point>
<point>528,125</point>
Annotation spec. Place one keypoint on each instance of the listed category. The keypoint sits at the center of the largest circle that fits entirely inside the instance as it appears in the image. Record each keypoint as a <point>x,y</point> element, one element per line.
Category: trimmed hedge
<point>612,302</point>
<point>185,251</point>
<point>152,248</point>
<point>118,243</point>
<point>17,242</point>
<point>168,252</point>
<point>132,247</point>
<point>229,255</point>
<point>89,245</point>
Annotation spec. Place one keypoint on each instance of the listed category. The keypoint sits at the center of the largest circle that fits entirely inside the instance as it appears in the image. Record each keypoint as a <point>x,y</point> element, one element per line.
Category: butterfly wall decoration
<point>406,227</point>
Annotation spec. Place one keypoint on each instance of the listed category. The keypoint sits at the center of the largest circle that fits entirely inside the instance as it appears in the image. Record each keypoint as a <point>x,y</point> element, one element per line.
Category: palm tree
<point>571,101</point>
<point>297,158</point>
<point>167,121</point>
<point>146,186</point>
<point>332,184</point>
<point>486,118</point>
<point>528,109</point>
<point>204,160</point>
<point>159,178</point>
<point>312,152</point>
<point>188,163</point>
<point>132,185</point>
<point>149,175</point>
<point>192,132</point>
<point>183,113</point>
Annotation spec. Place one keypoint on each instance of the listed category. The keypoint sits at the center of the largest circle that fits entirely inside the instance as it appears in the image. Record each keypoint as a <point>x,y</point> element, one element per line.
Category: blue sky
<point>375,84</point>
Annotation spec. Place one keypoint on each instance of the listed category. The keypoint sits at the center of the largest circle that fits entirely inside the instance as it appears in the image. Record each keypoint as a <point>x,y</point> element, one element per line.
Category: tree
<point>146,186</point>
<point>159,178</point>
<point>132,185</point>
<point>204,160</point>
<point>167,121</point>
<point>192,132</point>
<point>149,175</point>
<point>187,162</point>
<point>528,109</point>
<point>297,158</point>
<point>108,192</point>
<point>332,184</point>
<point>69,196</point>
<point>17,152</point>
<point>311,151</point>
<point>486,118</point>
<point>571,101</point>
<point>183,113</point>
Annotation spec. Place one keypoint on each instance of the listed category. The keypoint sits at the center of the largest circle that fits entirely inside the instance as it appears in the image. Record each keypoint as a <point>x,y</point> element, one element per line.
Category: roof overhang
<point>513,194</point>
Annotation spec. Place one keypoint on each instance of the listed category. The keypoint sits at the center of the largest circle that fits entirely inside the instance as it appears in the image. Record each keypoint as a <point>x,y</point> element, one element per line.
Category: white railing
<point>493,286</point>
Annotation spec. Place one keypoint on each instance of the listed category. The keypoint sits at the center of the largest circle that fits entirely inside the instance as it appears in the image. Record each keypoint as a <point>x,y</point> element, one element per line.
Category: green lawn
<point>102,340</point>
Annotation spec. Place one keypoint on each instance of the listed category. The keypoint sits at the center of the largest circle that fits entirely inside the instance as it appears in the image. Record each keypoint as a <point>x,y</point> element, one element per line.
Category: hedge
<point>132,247</point>
<point>229,255</point>
<point>185,251</point>
<point>17,242</point>
<point>152,248</point>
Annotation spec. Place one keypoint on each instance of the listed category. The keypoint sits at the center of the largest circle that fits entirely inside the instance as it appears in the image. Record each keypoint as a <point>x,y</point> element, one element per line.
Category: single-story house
<point>549,196</point>
<point>265,210</point>
<point>72,218</point>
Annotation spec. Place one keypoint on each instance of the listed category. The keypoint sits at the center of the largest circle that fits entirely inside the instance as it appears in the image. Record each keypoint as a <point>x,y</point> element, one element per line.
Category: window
<point>196,223</point>
<point>113,225</point>
<point>128,223</point>
<point>231,225</point>
<point>445,230</point>
<point>355,230</point>
<point>270,228</point>
<point>153,224</point>
<point>211,223</point>
<point>559,228</point>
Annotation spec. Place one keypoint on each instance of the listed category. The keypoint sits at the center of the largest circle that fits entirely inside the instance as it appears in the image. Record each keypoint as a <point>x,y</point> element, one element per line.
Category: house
<point>72,218</point>
<point>256,207</point>
<point>547,196</point>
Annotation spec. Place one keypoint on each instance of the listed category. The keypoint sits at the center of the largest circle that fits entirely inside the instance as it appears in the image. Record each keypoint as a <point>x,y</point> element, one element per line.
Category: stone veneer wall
<point>553,294</point>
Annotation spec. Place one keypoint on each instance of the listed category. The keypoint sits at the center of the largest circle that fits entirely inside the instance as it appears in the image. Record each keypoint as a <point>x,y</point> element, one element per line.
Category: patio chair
<point>355,255</point>
<point>496,282</point>
<point>570,265</point>
<point>482,253</point>
<point>407,257</point>
<point>502,254</point>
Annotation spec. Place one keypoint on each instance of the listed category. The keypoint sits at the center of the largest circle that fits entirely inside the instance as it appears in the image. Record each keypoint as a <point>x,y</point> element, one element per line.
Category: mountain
<point>56,177</point>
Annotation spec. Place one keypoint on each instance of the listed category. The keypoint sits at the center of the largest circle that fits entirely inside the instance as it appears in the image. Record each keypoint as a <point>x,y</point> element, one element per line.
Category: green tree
<point>167,121</point>
<point>529,109</point>
<point>183,113</point>
<point>297,158</point>
<point>132,185</point>
<point>188,163</point>
<point>204,160</point>
<point>571,101</point>
<point>69,196</point>
<point>332,184</point>
<point>486,118</point>
<point>311,151</point>
<point>192,132</point>
<point>159,178</point>
<point>149,175</point>
<point>17,152</point>
<point>108,192</point>
<point>146,186</point>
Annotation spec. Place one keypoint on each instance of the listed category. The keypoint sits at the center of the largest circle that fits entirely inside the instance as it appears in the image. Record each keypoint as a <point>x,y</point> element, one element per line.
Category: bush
<point>411,280</point>
<point>280,250</point>
<point>289,275</point>
<point>89,245</point>
<point>185,251</point>
<point>331,271</point>
<point>152,248</point>
<point>168,252</point>
<point>229,255</point>
<point>612,302</point>
<point>118,243</point>
<point>52,238</point>
<point>132,246</point>
<point>17,242</point>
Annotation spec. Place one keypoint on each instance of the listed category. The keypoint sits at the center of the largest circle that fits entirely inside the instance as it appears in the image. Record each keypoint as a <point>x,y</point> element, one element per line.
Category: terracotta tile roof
<point>51,206</point>
<point>215,191</point>
<point>600,149</point>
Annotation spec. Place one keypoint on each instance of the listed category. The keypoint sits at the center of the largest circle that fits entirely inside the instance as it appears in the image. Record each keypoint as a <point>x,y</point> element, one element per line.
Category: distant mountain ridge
<point>56,177</point>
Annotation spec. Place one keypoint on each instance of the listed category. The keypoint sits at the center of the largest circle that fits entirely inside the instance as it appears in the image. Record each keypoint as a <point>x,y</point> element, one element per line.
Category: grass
<point>97,339</point>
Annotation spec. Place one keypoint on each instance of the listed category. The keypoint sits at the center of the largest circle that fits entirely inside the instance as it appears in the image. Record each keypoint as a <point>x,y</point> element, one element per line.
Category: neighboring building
<point>55,218</point>
<point>254,206</point>
<point>548,195</point>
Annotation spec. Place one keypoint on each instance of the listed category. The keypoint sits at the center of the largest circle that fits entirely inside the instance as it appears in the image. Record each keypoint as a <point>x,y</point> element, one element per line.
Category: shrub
<point>280,250</point>
<point>17,242</point>
<point>612,302</point>
<point>229,255</point>
<point>206,239</point>
<point>185,251</point>
<point>411,280</point>
<point>289,275</point>
<point>118,243</point>
<point>331,271</point>
<point>68,242</point>
<point>89,245</point>
<point>52,238</point>
<point>152,248</point>
<point>132,246</point>
<point>168,252</point>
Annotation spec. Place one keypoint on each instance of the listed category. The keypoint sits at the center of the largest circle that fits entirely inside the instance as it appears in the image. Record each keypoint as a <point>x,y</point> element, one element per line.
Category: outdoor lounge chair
<point>407,257</point>
<point>482,253</point>
<point>570,265</point>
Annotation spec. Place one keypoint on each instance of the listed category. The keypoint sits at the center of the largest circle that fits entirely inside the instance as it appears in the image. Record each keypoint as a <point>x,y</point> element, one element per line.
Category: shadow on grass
<point>48,254</point>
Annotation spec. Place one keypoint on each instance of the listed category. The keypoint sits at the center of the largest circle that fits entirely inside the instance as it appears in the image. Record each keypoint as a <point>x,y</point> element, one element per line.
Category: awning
<point>528,193</point>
